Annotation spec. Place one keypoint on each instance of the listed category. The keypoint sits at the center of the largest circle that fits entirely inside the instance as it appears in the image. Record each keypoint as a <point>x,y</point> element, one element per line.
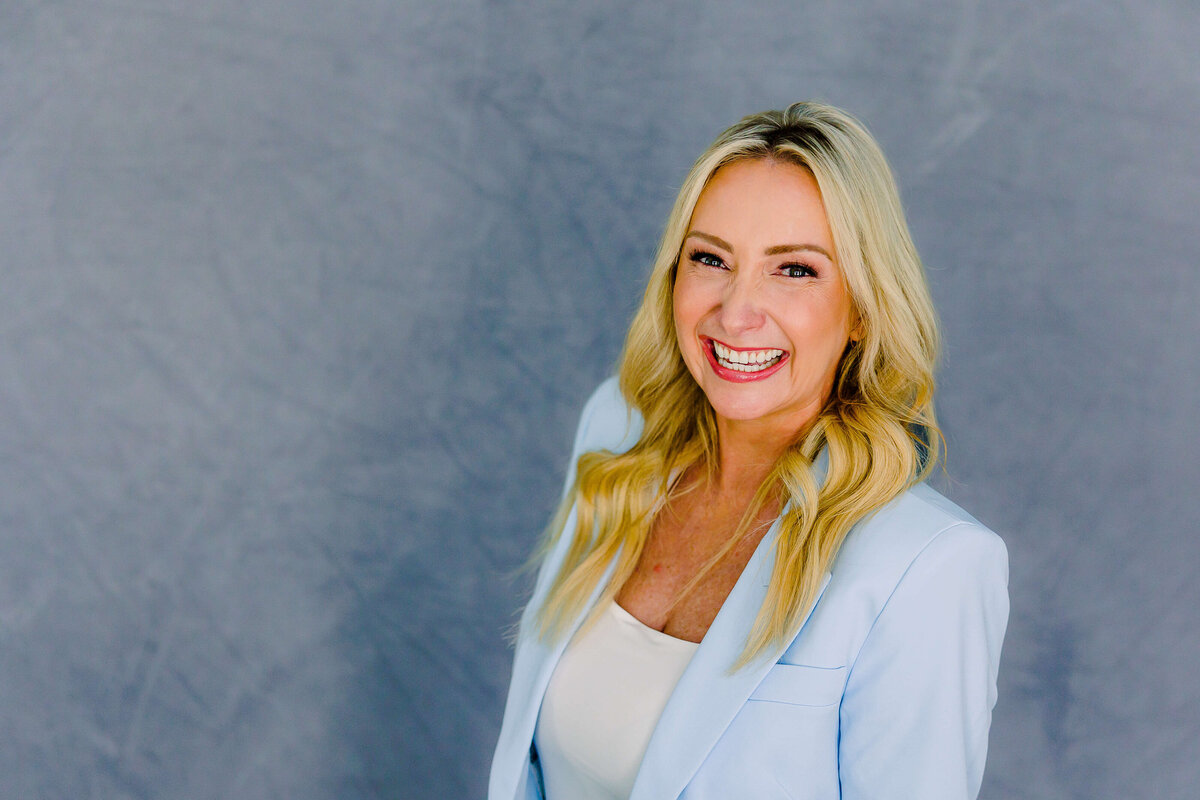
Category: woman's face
<point>761,311</point>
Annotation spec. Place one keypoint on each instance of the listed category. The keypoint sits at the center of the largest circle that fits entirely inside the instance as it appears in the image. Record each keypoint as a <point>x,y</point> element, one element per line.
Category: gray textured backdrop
<point>300,302</point>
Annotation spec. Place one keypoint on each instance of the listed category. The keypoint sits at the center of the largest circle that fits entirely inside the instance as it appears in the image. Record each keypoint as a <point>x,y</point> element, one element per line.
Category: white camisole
<point>603,701</point>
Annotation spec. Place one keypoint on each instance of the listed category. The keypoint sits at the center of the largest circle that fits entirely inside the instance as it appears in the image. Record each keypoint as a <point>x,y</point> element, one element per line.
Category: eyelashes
<point>795,269</point>
<point>798,271</point>
<point>707,259</point>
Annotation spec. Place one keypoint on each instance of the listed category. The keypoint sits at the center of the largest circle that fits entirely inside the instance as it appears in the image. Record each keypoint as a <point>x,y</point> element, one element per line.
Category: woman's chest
<point>693,557</point>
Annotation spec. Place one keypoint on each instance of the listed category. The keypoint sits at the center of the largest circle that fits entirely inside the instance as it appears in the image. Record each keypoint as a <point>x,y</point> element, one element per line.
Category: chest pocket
<point>801,685</point>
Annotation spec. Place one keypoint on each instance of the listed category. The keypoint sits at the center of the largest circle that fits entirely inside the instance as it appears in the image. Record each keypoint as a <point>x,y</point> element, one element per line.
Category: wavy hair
<point>877,427</point>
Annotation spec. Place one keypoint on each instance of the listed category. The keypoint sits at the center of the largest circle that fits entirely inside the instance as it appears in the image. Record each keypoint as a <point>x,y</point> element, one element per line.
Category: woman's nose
<point>741,307</point>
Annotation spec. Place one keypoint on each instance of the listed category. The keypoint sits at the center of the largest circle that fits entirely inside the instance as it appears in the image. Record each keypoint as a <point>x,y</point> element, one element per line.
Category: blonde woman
<point>748,591</point>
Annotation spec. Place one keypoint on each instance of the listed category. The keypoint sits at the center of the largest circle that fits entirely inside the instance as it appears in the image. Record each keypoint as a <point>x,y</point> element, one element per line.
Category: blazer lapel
<point>708,697</point>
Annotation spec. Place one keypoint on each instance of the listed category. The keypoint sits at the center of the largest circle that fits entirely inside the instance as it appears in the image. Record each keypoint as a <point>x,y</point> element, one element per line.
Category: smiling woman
<point>748,591</point>
<point>758,294</point>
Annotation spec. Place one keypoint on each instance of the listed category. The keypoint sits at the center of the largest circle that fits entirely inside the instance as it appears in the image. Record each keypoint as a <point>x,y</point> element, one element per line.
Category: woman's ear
<point>857,330</point>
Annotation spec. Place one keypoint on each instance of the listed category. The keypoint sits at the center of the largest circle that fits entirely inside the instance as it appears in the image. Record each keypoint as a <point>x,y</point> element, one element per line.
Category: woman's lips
<point>743,365</point>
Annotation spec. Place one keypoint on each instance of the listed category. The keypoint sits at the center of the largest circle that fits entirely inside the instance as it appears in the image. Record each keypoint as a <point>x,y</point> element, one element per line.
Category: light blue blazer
<point>886,692</point>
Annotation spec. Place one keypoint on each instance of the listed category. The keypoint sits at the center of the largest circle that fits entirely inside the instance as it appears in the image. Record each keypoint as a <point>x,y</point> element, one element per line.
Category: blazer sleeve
<point>919,696</point>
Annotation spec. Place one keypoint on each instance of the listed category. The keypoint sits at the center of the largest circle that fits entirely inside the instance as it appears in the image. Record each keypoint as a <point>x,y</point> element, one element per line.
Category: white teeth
<point>746,360</point>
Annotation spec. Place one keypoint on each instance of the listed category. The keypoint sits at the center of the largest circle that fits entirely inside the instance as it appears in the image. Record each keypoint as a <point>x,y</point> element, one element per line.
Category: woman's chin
<point>762,408</point>
<point>741,409</point>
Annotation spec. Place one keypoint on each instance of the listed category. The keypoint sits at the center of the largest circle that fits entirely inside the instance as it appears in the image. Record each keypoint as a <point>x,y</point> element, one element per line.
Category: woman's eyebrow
<point>791,248</point>
<point>708,237</point>
<point>770,251</point>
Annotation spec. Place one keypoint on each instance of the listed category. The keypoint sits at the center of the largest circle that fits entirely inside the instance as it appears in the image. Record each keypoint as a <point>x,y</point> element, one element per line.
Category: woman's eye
<point>798,271</point>
<point>707,259</point>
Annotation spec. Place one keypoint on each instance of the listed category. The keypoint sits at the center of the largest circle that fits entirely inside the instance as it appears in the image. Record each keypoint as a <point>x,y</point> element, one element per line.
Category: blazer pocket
<point>800,685</point>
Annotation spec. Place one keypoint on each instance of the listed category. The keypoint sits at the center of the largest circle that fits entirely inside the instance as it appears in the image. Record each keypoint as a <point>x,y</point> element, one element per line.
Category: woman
<point>748,591</point>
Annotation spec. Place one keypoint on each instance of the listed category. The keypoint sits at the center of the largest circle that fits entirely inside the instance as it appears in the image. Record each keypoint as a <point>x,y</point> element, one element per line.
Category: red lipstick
<point>732,375</point>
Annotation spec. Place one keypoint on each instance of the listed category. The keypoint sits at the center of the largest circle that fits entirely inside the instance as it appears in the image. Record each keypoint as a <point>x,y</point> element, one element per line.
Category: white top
<point>603,701</point>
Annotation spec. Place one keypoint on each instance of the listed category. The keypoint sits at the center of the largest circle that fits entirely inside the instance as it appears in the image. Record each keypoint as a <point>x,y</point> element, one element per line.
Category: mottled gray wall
<point>299,302</point>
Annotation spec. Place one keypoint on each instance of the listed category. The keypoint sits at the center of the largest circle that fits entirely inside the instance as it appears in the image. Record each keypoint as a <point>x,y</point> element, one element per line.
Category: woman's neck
<point>748,453</point>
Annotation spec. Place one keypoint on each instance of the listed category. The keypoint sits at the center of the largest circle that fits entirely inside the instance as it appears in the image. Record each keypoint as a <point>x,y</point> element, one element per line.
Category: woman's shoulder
<point>608,422</point>
<point>920,523</point>
<point>917,560</point>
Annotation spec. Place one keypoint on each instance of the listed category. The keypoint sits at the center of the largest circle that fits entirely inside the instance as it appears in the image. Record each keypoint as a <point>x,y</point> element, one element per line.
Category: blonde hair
<point>878,426</point>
